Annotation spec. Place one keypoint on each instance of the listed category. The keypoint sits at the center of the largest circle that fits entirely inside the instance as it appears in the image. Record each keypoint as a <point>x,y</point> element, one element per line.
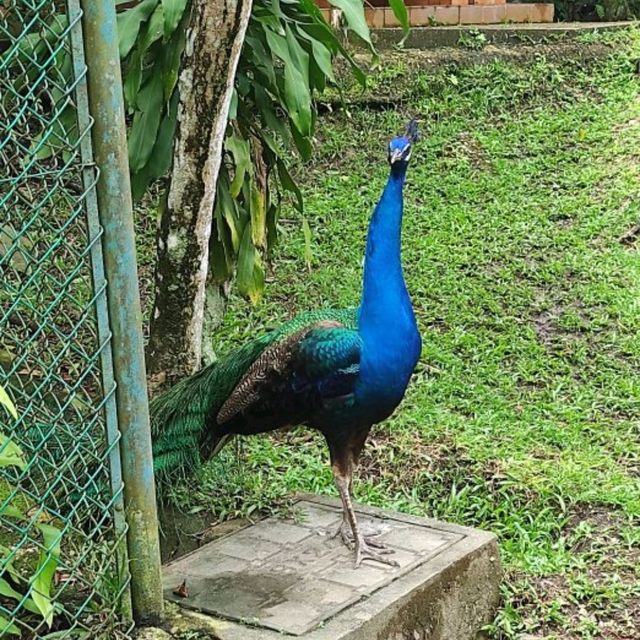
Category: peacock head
<point>400,147</point>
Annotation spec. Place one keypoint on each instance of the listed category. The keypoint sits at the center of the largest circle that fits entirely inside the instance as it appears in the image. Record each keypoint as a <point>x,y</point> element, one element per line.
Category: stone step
<point>292,577</point>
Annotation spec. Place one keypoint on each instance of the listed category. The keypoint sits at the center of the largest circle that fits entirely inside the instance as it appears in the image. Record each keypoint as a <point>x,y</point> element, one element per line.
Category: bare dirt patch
<point>631,236</point>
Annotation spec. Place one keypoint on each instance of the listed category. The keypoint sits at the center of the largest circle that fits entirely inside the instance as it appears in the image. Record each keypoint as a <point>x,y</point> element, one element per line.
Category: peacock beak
<point>395,155</point>
<point>400,154</point>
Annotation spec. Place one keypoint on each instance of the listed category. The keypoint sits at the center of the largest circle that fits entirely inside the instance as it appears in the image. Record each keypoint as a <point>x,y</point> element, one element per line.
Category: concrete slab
<point>291,577</point>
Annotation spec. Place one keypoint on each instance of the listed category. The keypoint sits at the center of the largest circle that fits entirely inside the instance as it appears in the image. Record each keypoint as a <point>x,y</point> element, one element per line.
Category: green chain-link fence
<point>62,528</point>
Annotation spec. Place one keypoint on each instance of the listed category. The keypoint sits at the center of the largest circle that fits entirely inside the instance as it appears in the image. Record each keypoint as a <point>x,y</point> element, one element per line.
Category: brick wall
<point>424,13</point>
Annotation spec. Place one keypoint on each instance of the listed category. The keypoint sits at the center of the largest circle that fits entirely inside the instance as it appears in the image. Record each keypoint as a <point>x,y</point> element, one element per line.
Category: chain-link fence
<point>62,530</point>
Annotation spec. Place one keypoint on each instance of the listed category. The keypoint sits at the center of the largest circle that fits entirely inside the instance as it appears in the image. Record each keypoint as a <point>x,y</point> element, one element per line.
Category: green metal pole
<point>116,217</point>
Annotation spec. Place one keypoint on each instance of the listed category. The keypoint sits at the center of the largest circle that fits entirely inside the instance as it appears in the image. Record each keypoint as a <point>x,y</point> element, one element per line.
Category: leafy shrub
<point>31,592</point>
<point>473,39</point>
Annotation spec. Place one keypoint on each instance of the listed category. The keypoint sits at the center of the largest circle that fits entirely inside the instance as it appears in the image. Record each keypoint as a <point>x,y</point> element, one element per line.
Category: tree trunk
<point>215,303</point>
<point>214,42</point>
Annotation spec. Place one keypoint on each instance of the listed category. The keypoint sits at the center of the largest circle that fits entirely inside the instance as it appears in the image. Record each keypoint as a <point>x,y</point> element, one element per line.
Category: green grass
<point>524,414</point>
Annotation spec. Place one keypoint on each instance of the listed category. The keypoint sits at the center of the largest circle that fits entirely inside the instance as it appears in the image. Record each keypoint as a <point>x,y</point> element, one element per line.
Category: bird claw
<point>368,547</point>
<point>364,551</point>
<point>345,533</point>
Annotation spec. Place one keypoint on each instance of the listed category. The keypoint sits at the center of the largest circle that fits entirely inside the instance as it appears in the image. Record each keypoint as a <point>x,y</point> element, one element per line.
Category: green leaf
<point>11,454</point>
<point>6,560</point>
<point>7,591</point>
<point>353,11</point>
<point>289,184</point>
<point>220,261</point>
<point>297,54</point>
<point>298,100</point>
<point>322,32</point>
<point>162,154</point>
<point>250,273</point>
<point>303,144</point>
<point>47,565</point>
<point>142,135</point>
<point>228,211</point>
<point>224,235</point>
<point>218,265</point>
<point>323,46</point>
<point>255,294</point>
<point>6,626</point>
<point>63,131</point>
<point>306,232</point>
<point>400,12</point>
<point>268,113</point>
<point>322,56</point>
<point>240,151</point>
<point>5,400</point>
<point>173,12</point>
<point>273,213</point>
<point>277,44</point>
<point>261,59</point>
<point>129,23</point>
<point>258,213</point>
<point>133,80</point>
<point>171,60</point>
<point>155,28</point>
<point>9,511</point>
<point>233,105</point>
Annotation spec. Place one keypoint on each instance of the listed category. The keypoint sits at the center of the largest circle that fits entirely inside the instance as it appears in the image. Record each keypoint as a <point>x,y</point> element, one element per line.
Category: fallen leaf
<point>181,591</point>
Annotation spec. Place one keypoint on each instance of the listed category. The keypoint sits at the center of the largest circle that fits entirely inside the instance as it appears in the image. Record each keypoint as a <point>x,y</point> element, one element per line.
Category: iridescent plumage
<point>337,371</point>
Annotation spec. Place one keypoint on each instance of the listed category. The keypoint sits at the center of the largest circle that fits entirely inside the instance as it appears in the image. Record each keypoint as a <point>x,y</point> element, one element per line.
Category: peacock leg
<point>370,535</point>
<point>365,549</point>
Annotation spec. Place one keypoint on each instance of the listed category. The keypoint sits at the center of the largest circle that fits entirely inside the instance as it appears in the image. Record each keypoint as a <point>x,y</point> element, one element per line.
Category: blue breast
<point>388,360</point>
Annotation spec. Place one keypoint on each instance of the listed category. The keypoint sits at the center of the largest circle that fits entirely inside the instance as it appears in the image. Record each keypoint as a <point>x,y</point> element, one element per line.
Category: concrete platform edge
<point>451,598</point>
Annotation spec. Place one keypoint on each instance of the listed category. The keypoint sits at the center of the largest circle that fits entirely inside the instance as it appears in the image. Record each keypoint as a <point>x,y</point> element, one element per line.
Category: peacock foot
<point>364,551</point>
<point>368,548</point>
<point>369,536</point>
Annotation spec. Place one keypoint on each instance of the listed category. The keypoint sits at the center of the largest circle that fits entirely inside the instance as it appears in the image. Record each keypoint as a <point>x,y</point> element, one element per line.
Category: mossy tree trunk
<point>214,42</point>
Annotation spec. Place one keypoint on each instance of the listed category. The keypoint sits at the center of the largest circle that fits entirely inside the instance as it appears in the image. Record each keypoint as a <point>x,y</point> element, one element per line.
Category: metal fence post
<point>116,216</point>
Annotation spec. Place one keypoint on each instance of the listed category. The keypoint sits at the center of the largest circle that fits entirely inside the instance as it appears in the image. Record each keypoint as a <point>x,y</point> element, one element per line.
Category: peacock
<point>339,371</point>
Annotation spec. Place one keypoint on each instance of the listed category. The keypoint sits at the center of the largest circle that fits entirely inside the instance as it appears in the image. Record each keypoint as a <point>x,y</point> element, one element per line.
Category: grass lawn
<point>521,252</point>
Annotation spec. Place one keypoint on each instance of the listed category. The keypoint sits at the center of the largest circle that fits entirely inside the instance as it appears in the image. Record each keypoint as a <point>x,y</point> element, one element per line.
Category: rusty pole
<point>116,217</point>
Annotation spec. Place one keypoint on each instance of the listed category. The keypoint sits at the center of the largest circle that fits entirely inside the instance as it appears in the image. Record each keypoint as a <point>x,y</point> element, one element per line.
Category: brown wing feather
<point>273,359</point>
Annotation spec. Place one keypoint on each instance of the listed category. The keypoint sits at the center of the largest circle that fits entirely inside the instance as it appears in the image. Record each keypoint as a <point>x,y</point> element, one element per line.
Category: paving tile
<point>314,517</point>
<point>296,617</point>
<point>366,577</point>
<point>207,564</point>
<point>314,551</point>
<point>279,532</point>
<point>415,539</point>
<point>245,547</point>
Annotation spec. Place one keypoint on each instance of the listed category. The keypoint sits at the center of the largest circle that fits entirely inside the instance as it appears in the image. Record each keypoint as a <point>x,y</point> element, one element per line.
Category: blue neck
<point>385,300</point>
